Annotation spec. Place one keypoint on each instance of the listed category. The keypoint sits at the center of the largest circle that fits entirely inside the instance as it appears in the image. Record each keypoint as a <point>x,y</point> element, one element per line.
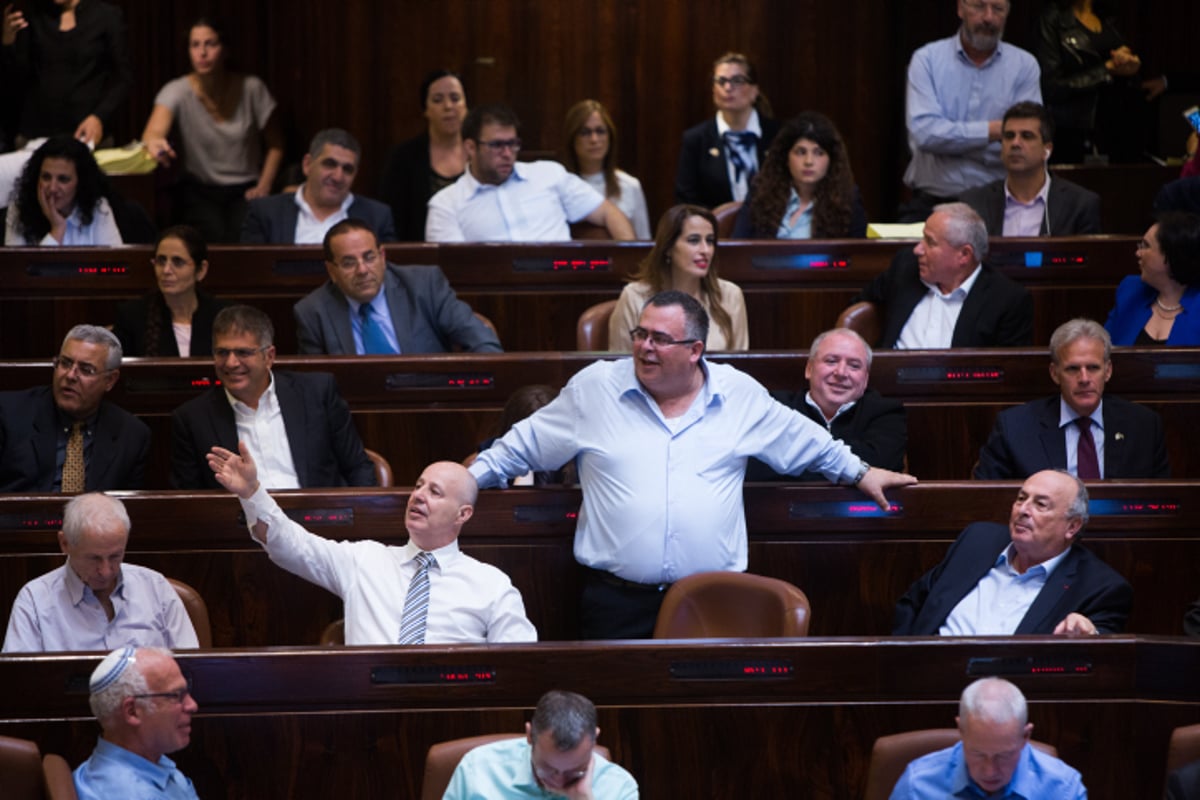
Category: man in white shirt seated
<point>322,201</point>
<point>499,199</point>
<point>94,601</point>
<point>941,294</point>
<point>426,592</point>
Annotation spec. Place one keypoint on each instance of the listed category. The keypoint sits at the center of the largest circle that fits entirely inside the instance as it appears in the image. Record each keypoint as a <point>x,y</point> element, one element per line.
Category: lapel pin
<point>714,152</point>
<point>1120,436</point>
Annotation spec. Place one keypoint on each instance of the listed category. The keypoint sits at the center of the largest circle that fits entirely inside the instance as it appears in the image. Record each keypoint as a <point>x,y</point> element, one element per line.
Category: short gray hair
<point>106,702</point>
<point>1079,328</point>
<point>336,137</point>
<point>964,226</point>
<point>94,334</point>
<point>1079,503</point>
<point>812,348</point>
<point>568,717</point>
<point>93,511</point>
<point>994,700</point>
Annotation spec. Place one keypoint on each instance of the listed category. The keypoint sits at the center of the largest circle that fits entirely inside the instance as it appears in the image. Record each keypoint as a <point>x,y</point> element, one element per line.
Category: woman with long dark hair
<point>60,199</point>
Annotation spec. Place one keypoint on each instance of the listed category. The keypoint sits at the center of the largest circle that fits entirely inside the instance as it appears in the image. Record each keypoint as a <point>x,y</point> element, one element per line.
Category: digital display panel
<point>1029,666</point>
<point>433,675</point>
<point>801,261</point>
<point>852,509</point>
<point>967,374</point>
<point>61,270</point>
<point>562,264</point>
<point>734,670</point>
<point>399,381</point>
<point>1134,506</point>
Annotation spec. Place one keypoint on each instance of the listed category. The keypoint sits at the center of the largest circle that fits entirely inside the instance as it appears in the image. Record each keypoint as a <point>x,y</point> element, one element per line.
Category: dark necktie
<point>416,602</point>
<point>374,340</point>
<point>1087,466</point>
<point>73,471</point>
<point>740,144</point>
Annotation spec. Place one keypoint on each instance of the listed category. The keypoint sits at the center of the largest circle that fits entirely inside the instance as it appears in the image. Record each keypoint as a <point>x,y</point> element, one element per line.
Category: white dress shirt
<point>931,324</point>
<point>263,431</point>
<point>740,188</point>
<point>309,229</point>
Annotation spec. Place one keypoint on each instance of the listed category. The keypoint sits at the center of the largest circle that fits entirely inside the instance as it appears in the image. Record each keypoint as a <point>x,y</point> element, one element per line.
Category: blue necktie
<point>374,340</point>
<point>416,603</point>
<point>740,144</point>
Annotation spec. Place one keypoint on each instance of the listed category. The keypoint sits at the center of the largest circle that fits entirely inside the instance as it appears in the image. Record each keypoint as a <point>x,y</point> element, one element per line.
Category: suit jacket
<point>326,449</point>
<point>1027,439</point>
<point>426,315</point>
<point>29,440</point>
<point>875,429</point>
<point>1132,311</point>
<point>272,220</point>
<point>1081,583</point>
<point>702,177</point>
<point>997,312</point>
<point>1191,620</point>
<point>1072,209</point>
<point>131,321</point>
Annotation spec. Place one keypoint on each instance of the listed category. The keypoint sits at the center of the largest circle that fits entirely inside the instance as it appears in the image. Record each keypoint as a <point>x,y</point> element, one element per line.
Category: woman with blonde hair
<point>591,150</point>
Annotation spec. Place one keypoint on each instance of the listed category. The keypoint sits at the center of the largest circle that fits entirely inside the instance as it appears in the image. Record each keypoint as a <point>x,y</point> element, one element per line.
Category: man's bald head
<point>442,500</point>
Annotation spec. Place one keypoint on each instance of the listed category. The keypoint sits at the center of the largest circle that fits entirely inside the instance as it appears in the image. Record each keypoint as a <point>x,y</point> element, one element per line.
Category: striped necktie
<point>416,604</point>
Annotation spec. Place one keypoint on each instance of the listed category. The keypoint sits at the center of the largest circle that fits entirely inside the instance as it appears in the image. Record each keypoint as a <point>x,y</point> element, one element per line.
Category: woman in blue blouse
<point>1162,304</point>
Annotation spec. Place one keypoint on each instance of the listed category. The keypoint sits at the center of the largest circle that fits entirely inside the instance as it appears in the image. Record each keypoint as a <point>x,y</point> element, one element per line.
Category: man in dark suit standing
<point>1028,202</point>
<point>941,294</point>
<point>66,437</point>
<point>1028,578</point>
<point>322,201</point>
<point>295,423</point>
<point>369,306</point>
<point>1079,430</point>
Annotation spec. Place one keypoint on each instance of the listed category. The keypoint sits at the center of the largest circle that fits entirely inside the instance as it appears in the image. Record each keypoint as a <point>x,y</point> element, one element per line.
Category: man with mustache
<point>958,90</point>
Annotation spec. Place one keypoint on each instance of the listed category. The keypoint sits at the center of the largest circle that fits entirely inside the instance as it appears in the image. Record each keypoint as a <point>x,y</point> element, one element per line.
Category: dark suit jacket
<point>744,228</point>
<point>1080,583</point>
<point>875,429</point>
<point>996,313</point>
<point>1191,620</point>
<point>702,178</point>
<point>131,322</point>
<point>1027,439</point>
<point>1184,783</point>
<point>272,220</point>
<point>326,449</point>
<point>29,441</point>
<point>426,314</point>
<point>1073,210</point>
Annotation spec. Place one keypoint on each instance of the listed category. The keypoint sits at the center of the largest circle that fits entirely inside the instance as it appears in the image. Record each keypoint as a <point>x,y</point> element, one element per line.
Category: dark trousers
<point>216,211</point>
<point>610,608</point>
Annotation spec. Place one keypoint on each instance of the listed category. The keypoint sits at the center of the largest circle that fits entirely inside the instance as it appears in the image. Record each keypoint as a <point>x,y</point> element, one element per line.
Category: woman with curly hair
<point>805,189</point>
<point>591,150</point>
<point>684,258</point>
<point>60,199</point>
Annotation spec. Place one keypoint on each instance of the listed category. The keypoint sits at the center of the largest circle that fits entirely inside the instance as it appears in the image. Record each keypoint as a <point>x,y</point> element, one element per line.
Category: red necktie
<point>1087,466</point>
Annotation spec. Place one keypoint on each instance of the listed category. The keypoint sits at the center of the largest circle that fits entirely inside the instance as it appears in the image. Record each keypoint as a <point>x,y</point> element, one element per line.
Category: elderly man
<point>426,592</point>
<point>943,295</point>
<point>322,201</point>
<point>1027,201</point>
<point>66,437</point>
<point>958,88</point>
<point>874,427</point>
<point>499,199</point>
<point>661,442</point>
<point>994,758</point>
<point>1079,430</point>
<point>557,758</point>
<point>1031,577</point>
<point>295,422</point>
<point>144,706</point>
<point>369,306</point>
<point>94,602</point>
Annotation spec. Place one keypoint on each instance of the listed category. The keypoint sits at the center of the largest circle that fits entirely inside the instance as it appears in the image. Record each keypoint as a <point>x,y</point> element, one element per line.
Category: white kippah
<point>111,668</point>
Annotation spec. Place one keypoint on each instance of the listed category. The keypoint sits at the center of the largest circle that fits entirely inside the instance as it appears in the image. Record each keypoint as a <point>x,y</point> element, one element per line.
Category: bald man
<point>425,592</point>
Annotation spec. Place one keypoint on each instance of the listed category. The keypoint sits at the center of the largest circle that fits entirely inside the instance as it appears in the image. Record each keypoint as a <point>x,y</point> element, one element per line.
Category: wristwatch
<point>862,471</point>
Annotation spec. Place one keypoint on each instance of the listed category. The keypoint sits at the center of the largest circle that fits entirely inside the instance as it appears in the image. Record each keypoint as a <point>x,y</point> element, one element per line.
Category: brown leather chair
<point>1184,747</point>
<point>334,633</point>
<point>21,769</point>
<point>196,610</point>
<point>726,215</point>
<point>865,319</point>
<point>60,785</point>
<point>726,604</point>
<point>591,332</point>
<point>892,754</point>
<point>383,470</point>
<point>443,757</point>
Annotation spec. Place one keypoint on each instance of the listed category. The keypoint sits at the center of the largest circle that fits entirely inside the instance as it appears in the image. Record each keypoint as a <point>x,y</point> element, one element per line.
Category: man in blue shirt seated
<point>144,706</point>
<point>994,758</point>
<point>556,758</point>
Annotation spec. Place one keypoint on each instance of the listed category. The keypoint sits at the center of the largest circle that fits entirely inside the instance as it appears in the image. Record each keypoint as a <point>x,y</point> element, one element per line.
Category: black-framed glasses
<point>500,145</point>
<point>242,353</point>
<point>737,81</point>
<point>177,696</point>
<point>86,370</point>
<point>657,338</point>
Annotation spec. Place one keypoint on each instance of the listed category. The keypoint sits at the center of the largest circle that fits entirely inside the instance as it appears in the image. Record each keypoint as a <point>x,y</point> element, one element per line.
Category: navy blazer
<point>426,315</point>
<point>326,448</point>
<point>1072,210</point>
<point>1132,311</point>
<point>272,219</point>
<point>29,429</point>
<point>1081,583</point>
<point>702,177</point>
<point>1027,439</point>
<point>132,319</point>
<point>997,312</point>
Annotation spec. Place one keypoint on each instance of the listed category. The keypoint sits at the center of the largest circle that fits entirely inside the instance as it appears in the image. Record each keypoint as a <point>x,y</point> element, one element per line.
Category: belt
<point>621,583</point>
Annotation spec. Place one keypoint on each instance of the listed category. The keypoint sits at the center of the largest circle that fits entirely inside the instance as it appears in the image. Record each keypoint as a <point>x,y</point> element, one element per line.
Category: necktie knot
<point>425,560</point>
<point>1084,423</point>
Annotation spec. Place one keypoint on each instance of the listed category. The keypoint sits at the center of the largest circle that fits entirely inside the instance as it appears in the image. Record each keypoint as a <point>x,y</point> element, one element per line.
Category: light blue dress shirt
<point>114,772</point>
<point>504,771</point>
<point>662,498</point>
<point>1001,599</point>
<point>802,227</point>
<point>944,774</point>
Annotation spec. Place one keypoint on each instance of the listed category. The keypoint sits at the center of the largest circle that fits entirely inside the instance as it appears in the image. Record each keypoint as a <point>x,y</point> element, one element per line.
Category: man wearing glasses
<point>500,200</point>
<point>65,437</point>
<point>661,442</point>
<point>296,424</point>
<point>958,91</point>
<point>144,706</point>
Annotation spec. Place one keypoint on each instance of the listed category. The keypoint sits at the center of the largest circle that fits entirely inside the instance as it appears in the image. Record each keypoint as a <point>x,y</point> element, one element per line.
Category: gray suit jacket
<point>272,220</point>
<point>426,315</point>
<point>1072,209</point>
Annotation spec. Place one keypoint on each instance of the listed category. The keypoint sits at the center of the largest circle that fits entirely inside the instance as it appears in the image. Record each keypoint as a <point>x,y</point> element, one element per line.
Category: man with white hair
<point>144,706</point>
<point>994,758</point>
<point>94,601</point>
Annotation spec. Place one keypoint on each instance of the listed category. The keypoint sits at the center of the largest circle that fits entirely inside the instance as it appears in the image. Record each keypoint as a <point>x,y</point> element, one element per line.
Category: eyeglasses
<point>978,7</point>
<point>500,145</point>
<point>177,696</point>
<point>601,132</point>
<point>737,81</point>
<point>657,338</point>
<point>350,262</point>
<point>86,371</point>
<point>242,353</point>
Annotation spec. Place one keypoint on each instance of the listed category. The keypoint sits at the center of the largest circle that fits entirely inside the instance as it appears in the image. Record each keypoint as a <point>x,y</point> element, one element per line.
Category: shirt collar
<point>962,290</point>
<point>159,773</point>
<point>1042,194</point>
<point>378,304</point>
<point>842,409</point>
<point>268,398</point>
<point>306,209</point>
<point>1046,567</point>
<point>474,187</point>
<point>1067,415</point>
<point>77,590</point>
<point>753,126</point>
<point>444,555</point>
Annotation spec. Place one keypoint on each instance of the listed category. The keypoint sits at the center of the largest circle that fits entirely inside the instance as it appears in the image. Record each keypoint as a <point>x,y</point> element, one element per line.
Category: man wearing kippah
<point>144,706</point>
